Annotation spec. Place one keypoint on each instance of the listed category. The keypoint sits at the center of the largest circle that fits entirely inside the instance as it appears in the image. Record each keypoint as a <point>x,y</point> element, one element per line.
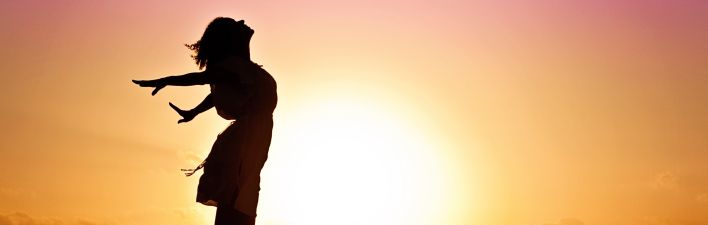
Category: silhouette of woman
<point>242,91</point>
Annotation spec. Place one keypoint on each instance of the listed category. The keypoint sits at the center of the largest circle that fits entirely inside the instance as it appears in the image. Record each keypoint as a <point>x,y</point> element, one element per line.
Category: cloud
<point>14,193</point>
<point>702,198</point>
<point>5,221</point>
<point>666,181</point>
<point>19,218</point>
<point>186,215</point>
<point>658,220</point>
<point>568,221</point>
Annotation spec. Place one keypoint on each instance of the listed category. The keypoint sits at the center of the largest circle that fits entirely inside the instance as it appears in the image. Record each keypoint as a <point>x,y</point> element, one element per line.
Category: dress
<point>246,93</point>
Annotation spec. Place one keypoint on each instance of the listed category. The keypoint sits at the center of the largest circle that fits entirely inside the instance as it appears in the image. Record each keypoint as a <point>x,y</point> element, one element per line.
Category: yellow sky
<point>500,113</point>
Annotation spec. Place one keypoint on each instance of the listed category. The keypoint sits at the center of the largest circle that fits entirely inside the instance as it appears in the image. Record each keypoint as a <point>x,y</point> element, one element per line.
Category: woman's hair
<point>223,37</point>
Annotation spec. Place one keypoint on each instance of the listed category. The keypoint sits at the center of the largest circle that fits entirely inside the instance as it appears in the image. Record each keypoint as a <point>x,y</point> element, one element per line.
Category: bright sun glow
<point>351,161</point>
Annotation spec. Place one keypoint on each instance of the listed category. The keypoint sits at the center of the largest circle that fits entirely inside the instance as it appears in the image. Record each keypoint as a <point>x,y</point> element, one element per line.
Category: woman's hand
<point>157,84</point>
<point>186,115</point>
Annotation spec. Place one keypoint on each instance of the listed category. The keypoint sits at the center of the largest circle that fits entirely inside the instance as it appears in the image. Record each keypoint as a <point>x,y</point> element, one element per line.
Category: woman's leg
<point>227,215</point>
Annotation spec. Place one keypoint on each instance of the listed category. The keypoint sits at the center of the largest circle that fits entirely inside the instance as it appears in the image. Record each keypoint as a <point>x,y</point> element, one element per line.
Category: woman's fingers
<point>176,108</point>
<point>144,83</point>
<point>157,88</point>
<point>150,83</point>
<point>186,117</point>
<point>184,120</point>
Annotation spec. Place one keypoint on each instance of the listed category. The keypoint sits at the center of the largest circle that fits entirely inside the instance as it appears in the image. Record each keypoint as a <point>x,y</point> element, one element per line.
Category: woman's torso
<point>243,89</point>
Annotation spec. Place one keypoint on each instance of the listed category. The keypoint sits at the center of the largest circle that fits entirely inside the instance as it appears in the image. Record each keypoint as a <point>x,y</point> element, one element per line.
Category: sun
<point>351,161</point>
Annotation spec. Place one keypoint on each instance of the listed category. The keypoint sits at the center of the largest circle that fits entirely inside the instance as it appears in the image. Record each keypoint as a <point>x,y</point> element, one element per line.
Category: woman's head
<point>223,37</point>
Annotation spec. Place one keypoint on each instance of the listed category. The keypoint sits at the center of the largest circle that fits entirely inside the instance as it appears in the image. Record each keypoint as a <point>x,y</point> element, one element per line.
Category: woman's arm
<point>195,78</point>
<point>187,116</point>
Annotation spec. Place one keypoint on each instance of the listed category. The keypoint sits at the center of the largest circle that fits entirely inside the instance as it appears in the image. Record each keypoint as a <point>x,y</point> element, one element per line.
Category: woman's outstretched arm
<point>188,115</point>
<point>195,78</point>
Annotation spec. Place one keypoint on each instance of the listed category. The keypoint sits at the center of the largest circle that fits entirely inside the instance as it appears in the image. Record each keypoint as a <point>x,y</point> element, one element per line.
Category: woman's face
<point>244,29</point>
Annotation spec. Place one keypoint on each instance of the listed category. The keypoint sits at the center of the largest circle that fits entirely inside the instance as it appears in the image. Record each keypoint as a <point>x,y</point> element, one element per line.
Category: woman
<point>242,91</point>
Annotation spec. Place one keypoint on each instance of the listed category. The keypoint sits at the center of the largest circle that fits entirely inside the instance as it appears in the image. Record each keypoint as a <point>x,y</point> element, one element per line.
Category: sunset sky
<point>408,112</point>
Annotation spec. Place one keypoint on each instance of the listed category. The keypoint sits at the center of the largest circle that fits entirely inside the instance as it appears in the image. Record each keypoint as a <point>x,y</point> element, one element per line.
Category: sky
<point>409,112</point>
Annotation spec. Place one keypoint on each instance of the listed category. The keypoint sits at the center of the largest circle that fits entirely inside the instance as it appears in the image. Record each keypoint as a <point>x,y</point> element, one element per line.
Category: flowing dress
<point>246,93</point>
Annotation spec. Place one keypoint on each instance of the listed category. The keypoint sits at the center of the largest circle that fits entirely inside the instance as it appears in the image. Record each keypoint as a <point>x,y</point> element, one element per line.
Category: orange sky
<point>493,112</point>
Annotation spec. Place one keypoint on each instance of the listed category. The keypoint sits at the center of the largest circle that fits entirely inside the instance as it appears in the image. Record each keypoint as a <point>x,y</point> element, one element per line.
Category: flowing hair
<point>223,37</point>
